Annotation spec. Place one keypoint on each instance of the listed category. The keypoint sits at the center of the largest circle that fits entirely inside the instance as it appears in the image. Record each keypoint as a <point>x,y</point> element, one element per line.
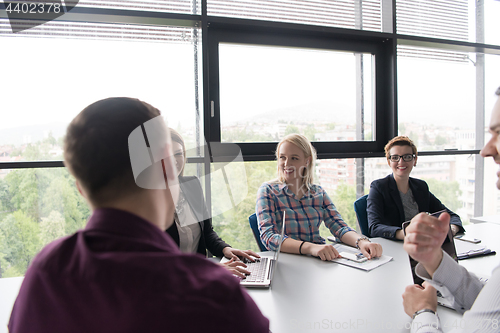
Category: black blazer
<point>385,208</point>
<point>192,191</point>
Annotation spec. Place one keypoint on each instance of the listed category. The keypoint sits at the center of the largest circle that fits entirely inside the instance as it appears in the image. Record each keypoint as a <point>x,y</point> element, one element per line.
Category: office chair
<point>360,209</point>
<point>252,219</point>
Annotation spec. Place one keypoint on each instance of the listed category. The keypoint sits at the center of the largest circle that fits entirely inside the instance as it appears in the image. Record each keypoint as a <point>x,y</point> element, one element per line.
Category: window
<point>283,90</point>
<point>433,89</point>
<point>37,206</point>
<point>75,65</point>
<point>79,63</point>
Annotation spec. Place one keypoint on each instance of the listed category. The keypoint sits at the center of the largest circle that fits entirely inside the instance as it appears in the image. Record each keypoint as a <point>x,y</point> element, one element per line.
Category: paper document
<point>466,250</point>
<point>367,265</point>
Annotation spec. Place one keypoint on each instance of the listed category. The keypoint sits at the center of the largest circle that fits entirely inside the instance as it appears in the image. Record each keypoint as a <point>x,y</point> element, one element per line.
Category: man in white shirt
<point>479,302</point>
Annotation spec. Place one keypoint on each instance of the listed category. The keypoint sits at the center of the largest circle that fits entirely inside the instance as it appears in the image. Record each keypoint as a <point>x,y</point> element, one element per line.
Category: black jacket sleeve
<point>212,241</point>
<point>383,215</point>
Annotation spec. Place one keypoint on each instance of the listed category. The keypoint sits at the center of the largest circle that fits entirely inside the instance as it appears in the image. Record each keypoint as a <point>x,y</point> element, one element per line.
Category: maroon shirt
<point>122,274</point>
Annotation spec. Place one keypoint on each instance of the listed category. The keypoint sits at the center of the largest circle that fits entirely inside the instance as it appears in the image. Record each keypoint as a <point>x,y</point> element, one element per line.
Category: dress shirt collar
<point>283,187</point>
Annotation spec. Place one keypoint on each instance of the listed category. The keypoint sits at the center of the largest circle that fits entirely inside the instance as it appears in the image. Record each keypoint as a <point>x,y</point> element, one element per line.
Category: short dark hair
<point>400,141</point>
<point>96,146</point>
<point>498,91</point>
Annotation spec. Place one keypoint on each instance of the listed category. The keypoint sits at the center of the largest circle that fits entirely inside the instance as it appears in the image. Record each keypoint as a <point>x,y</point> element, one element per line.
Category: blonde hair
<point>176,137</point>
<point>307,148</point>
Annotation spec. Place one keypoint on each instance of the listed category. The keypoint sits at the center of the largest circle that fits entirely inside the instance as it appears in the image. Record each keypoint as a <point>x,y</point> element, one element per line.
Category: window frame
<point>292,35</point>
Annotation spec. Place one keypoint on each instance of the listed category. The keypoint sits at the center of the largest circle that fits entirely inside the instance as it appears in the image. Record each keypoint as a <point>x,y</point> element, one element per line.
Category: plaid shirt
<point>303,216</point>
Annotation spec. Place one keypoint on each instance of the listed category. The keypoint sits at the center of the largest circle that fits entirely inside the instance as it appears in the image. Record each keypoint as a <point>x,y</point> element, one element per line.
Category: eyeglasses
<point>406,157</point>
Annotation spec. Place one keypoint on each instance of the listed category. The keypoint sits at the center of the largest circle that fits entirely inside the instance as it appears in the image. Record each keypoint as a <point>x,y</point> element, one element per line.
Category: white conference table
<point>310,295</point>
<point>489,218</point>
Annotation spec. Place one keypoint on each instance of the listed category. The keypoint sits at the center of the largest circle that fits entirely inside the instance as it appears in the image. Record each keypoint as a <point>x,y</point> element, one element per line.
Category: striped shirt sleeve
<point>481,302</point>
<point>266,212</point>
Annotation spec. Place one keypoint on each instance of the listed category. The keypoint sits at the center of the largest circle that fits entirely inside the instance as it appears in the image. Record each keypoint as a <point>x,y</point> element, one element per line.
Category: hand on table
<point>236,254</point>
<point>323,251</point>
<point>416,298</point>
<point>424,237</point>
<point>370,250</point>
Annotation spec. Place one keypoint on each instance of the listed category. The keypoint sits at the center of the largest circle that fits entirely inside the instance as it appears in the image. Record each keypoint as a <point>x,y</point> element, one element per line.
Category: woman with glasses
<point>398,197</point>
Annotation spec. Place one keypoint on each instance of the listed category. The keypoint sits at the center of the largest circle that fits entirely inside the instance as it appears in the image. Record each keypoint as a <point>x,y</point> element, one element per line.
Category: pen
<point>431,214</point>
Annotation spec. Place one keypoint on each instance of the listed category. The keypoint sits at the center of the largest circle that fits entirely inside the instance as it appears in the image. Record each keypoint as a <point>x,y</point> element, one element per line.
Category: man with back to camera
<point>424,236</point>
<point>123,273</point>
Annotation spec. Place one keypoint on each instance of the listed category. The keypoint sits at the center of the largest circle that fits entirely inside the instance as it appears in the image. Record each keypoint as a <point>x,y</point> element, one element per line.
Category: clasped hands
<point>423,240</point>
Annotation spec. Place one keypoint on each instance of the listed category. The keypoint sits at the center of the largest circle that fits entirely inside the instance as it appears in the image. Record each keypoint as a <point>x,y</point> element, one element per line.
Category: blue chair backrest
<point>360,209</point>
<point>252,219</point>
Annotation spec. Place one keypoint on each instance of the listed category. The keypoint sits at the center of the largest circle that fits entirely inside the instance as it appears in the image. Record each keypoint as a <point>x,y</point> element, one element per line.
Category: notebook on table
<point>262,270</point>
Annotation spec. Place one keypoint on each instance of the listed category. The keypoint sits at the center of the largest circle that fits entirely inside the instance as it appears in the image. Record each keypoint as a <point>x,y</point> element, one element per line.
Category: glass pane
<point>464,20</point>
<point>351,14</point>
<point>448,19</point>
<point>282,90</point>
<point>491,84</point>
<point>491,22</point>
<point>37,206</point>
<point>450,178</point>
<point>232,224</point>
<point>437,99</point>
<point>172,6</point>
<point>491,197</point>
<point>338,178</point>
<point>79,63</point>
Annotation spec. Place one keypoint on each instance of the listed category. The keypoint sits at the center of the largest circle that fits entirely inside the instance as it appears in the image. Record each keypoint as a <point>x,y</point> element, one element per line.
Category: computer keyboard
<point>257,270</point>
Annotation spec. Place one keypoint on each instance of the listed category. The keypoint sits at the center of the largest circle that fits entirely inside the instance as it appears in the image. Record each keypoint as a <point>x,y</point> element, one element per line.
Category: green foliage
<point>310,131</point>
<point>343,199</point>
<point>25,185</point>
<point>245,135</point>
<point>232,226</point>
<point>52,227</point>
<point>62,197</point>
<point>6,206</point>
<point>36,207</point>
<point>414,138</point>
<point>447,192</point>
<point>330,126</point>
<point>21,241</point>
<point>290,129</point>
<point>3,262</point>
<point>440,140</point>
<point>402,128</point>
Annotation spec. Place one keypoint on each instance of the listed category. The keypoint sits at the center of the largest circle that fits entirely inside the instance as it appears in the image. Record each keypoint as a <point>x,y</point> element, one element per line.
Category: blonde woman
<point>306,204</point>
